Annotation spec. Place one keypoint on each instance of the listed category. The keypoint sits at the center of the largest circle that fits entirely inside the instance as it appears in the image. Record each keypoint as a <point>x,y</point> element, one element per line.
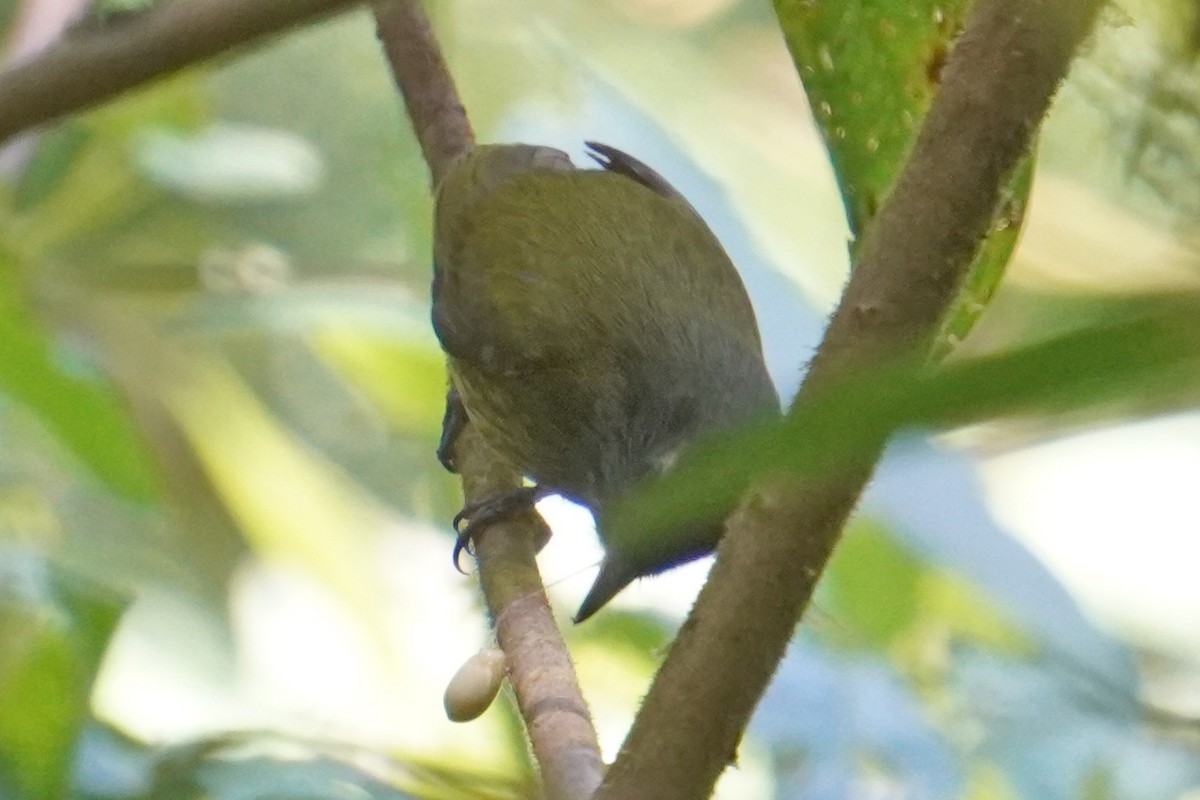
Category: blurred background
<point>224,540</point>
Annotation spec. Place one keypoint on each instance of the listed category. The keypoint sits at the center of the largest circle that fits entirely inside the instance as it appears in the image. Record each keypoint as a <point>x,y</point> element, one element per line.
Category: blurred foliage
<point>219,395</point>
<point>53,633</point>
<point>262,766</point>
<point>1148,360</point>
<point>88,416</point>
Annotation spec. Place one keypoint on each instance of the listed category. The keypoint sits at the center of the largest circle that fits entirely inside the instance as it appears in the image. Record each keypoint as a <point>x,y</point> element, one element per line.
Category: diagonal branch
<point>997,85</point>
<point>540,670</point>
<point>90,66</point>
<point>430,97</point>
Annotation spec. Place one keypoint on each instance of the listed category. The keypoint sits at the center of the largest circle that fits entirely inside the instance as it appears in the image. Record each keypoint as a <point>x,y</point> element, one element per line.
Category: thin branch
<point>90,66</point>
<point>997,85</point>
<point>95,65</point>
<point>540,670</point>
<point>434,108</point>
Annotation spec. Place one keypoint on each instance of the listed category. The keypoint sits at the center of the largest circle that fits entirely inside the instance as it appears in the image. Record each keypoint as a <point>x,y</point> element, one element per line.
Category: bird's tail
<point>614,576</point>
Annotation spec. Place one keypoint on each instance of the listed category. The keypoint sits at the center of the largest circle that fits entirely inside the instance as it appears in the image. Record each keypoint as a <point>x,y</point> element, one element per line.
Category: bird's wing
<point>717,276</point>
<point>622,163</point>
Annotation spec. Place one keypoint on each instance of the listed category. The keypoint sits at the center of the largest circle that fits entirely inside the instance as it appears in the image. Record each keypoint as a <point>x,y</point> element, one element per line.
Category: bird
<point>595,330</point>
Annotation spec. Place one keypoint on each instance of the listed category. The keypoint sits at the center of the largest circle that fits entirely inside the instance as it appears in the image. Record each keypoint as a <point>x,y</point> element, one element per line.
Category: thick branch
<point>540,670</point>
<point>90,66</point>
<point>997,84</point>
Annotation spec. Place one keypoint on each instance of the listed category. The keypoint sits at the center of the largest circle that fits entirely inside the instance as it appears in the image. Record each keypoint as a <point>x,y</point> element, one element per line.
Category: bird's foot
<point>453,422</point>
<point>488,511</point>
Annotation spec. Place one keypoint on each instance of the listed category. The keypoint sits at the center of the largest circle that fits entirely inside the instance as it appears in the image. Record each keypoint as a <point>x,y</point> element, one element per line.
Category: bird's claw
<point>478,516</point>
<point>463,542</point>
<point>453,422</point>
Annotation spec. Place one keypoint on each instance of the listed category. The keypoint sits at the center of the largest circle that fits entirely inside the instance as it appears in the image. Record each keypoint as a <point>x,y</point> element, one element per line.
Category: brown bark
<point>997,84</point>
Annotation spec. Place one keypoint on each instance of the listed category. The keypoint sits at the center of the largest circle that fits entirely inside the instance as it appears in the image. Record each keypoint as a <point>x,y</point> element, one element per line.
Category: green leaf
<point>887,598</point>
<point>53,634</point>
<point>1149,360</point>
<point>872,583</point>
<point>955,607</point>
<point>871,69</point>
<point>988,268</point>
<point>85,414</point>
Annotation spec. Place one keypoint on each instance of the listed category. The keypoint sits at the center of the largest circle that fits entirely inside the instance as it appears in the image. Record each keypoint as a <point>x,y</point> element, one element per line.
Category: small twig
<point>90,66</point>
<point>997,85</point>
<point>540,669</point>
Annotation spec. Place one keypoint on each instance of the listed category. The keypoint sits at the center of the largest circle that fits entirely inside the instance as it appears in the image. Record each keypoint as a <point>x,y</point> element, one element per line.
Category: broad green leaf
<point>871,70</point>
<point>53,634</point>
<point>1146,361</point>
<point>340,343</point>
<point>85,414</point>
<point>872,584</point>
<point>888,599</point>
<point>642,636</point>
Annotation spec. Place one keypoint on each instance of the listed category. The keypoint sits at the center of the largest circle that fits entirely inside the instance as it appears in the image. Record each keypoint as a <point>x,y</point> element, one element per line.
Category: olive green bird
<point>595,328</point>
